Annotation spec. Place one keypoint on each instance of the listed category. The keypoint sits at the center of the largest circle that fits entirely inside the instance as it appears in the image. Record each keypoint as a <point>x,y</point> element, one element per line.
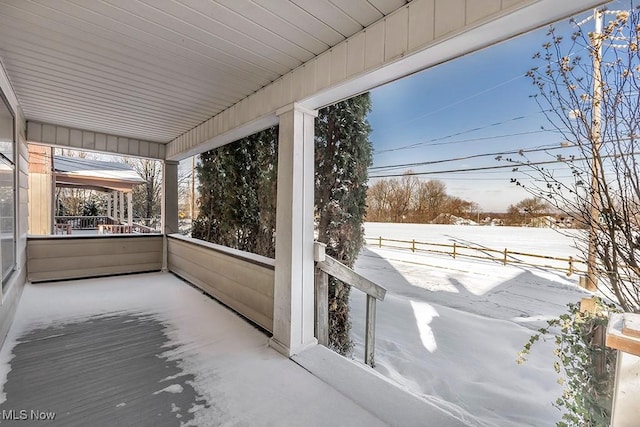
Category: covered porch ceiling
<point>188,75</point>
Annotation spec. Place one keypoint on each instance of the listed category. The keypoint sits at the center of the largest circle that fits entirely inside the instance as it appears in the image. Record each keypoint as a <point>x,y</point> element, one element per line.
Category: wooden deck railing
<point>78,222</point>
<point>327,266</point>
<point>505,256</point>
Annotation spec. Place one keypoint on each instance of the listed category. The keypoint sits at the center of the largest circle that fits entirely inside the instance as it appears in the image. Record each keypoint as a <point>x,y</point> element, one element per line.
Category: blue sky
<point>476,104</point>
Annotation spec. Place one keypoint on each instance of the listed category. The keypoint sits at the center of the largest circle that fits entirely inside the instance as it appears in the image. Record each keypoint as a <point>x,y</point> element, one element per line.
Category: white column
<point>121,194</point>
<point>108,204</point>
<point>170,197</point>
<point>130,208</point>
<point>114,214</point>
<point>169,206</point>
<point>293,311</point>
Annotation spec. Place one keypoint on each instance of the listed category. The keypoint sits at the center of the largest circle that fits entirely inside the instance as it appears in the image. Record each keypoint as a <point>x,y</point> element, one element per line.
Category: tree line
<point>408,199</point>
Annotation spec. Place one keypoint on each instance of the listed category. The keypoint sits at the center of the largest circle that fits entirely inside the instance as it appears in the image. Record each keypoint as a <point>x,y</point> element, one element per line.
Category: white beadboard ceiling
<point>153,69</point>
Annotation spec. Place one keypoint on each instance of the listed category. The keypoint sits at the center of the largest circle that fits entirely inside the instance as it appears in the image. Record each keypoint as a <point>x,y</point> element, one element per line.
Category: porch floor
<point>150,350</point>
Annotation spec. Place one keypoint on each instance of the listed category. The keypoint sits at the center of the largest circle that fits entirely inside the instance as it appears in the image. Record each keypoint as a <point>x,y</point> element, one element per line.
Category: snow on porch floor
<point>150,350</point>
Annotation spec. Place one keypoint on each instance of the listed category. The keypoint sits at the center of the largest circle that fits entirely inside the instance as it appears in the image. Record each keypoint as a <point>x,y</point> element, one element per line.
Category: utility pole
<point>596,141</point>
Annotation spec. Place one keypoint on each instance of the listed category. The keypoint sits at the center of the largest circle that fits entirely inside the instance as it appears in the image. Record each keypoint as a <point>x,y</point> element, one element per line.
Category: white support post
<point>121,193</point>
<point>114,214</point>
<point>108,203</point>
<point>130,208</point>
<point>169,209</point>
<point>293,311</point>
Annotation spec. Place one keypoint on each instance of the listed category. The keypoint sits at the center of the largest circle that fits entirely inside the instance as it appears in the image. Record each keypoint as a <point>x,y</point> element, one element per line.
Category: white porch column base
<point>293,305</point>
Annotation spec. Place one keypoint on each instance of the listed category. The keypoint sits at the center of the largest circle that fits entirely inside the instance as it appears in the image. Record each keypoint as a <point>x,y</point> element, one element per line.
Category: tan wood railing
<point>327,266</point>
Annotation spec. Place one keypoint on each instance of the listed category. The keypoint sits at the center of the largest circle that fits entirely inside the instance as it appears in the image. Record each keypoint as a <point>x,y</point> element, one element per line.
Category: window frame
<point>12,163</point>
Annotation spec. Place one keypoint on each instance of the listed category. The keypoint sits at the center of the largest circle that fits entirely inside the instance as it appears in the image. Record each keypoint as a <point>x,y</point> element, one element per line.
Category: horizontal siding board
<point>78,138</point>
<point>259,318</point>
<point>228,288</point>
<point>69,258</point>
<point>98,246</point>
<point>91,272</point>
<point>245,274</point>
<point>65,263</point>
<point>241,284</point>
<point>264,318</point>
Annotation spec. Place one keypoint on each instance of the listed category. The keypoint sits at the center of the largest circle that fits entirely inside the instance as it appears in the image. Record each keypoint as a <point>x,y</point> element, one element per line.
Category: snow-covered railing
<point>327,266</point>
<point>83,222</point>
<point>505,255</point>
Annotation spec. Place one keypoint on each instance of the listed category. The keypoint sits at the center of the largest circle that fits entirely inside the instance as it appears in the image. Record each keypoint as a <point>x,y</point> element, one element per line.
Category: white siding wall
<point>79,139</point>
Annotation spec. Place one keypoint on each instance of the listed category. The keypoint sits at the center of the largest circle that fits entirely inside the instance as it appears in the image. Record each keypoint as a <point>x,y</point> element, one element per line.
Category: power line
<point>473,156</point>
<point>484,138</point>
<point>515,168</point>
<point>435,141</point>
<point>453,104</point>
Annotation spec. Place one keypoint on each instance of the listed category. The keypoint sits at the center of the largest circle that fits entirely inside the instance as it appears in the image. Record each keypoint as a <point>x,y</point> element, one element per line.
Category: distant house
<point>546,221</point>
<point>446,218</point>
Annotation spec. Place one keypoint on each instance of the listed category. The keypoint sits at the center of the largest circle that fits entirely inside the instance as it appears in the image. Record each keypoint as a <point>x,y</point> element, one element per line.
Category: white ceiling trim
<point>153,69</point>
<point>419,35</point>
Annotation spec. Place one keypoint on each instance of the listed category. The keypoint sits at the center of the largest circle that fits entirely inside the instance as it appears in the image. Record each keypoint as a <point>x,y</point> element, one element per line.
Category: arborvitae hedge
<point>238,195</point>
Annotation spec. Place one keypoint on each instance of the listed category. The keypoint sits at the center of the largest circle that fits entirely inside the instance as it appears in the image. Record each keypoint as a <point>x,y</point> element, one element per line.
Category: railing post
<point>370,332</point>
<point>413,245</point>
<point>380,242</point>
<point>504,261</point>
<point>454,250</point>
<point>570,266</point>
<point>322,307</point>
<point>321,296</point>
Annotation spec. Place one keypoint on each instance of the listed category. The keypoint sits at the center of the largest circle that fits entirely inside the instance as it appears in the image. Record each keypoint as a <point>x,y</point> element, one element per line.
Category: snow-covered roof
<point>98,174</point>
<point>95,168</point>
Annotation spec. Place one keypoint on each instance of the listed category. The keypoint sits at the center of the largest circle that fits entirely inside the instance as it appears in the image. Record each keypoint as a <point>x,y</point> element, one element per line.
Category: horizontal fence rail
<point>505,255</point>
<point>327,266</point>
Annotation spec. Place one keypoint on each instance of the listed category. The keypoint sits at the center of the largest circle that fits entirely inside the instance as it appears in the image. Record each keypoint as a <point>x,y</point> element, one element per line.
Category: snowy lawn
<point>450,330</point>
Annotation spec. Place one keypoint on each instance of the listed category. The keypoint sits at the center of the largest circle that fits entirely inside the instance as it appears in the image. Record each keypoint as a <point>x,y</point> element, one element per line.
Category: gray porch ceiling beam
<point>80,139</point>
<point>417,36</point>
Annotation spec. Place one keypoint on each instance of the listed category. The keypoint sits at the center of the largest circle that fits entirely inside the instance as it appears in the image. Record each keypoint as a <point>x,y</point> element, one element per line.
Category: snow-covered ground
<point>450,330</point>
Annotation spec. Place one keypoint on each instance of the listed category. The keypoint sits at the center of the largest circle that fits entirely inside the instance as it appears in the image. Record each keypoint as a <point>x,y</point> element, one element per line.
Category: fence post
<point>370,332</point>
<point>380,241</point>
<point>413,245</point>
<point>454,250</point>
<point>570,266</point>
<point>504,261</point>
